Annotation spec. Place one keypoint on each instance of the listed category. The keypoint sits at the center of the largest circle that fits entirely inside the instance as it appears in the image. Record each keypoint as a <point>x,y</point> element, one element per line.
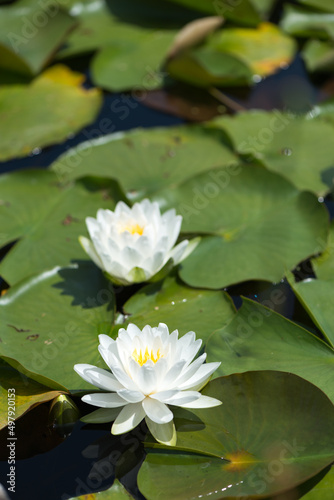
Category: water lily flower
<point>151,369</point>
<point>133,244</point>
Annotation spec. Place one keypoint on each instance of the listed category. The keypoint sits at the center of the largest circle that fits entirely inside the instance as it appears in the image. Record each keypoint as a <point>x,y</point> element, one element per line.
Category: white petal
<point>110,400</point>
<point>130,416</point>
<point>190,370</point>
<point>190,248</point>
<point>98,377</point>
<point>177,252</point>
<point>157,411</point>
<point>124,379</point>
<point>203,374</point>
<point>173,224</point>
<point>101,416</point>
<point>163,433</point>
<point>131,258</point>
<point>89,248</point>
<point>93,226</point>
<point>131,396</point>
<point>163,396</point>
<point>180,398</point>
<point>146,378</point>
<point>172,375</point>
<point>203,402</point>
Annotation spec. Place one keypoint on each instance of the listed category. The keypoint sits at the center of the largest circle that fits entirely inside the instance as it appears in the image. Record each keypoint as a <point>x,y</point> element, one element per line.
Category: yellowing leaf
<point>265,49</point>
<point>44,112</point>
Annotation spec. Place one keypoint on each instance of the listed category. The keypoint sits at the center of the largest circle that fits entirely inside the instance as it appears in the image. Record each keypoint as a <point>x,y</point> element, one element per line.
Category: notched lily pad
<point>44,112</point>
<point>235,453</point>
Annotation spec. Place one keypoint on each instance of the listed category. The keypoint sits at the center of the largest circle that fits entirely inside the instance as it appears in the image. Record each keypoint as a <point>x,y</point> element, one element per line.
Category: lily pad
<point>47,218</point>
<point>233,449</point>
<point>260,339</point>
<point>143,161</point>
<point>52,321</point>
<point>30,33</point>
<point>317,295</point>
<point>134,62</point>
<point>326,5</point>
<point>116,492</point>
<point>241,12</point>
<point>319,55</point>
<point>233,56</point>
<point>264,49</point>
<point>180,307</point>
<point>296,147</point>
<point>324,489</point>
<point>300,22</point>
<point>19,394</point>
<point>258,225</point>
<point>44,112</point>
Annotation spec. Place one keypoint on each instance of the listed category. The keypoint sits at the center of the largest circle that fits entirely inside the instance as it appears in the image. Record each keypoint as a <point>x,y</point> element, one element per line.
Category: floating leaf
<point>19,394</point>
<point>133,62</point>
<point>44,112</point>
<point>234,451</point>
<point>258,225</point>
<point>240,12</point>
<point>143,161</point>
<point>324,489</point>
<point>300,22</point>
<point>317,295</point>
<point>52,321</point>
<point>232,56</point>
<point>259,339</point>
<point>116,492</point>
<point>264,49</point>
<point>326,5</point>
<point>319,55</point>
<point>47,217</point>
<point>294,146</point>
<point>30,33</point>
<point>180,307</point>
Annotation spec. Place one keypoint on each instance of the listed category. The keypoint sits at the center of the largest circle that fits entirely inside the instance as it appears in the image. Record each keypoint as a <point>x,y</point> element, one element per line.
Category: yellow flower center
<point>132,229</point>
<point>142,358</point>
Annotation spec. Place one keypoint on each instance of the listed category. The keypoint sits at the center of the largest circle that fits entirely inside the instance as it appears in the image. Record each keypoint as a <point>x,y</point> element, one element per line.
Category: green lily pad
<point>319,55</point>
<point>324,489</point>
<point>233,56</point>
<point>180,307</point>
<point>317,295</point>
<point>300,22</point>
<point>258,443</point>
<point>258,225</point>
<point>143,161</point>
<point>259,339</point>
<point>44,112</point>
<point>19,394</point>
<point>241,12</point>
<point>30,33</point>
<point>52,321</point>
<point>325,111</point>
<point>47,218</point>
<point>116,492</point>
<point>296,147</point>
<point>326,5</point>
<point>264,49</point>
<point>133,62</point>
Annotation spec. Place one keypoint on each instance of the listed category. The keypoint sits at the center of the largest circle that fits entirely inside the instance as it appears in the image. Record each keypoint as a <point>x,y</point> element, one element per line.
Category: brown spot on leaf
<point>32,337</point>
<point>68,220</point>
<point>18,329</point>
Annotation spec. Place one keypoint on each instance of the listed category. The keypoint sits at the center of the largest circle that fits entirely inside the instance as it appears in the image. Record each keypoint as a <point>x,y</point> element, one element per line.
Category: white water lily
<point>151,369</point>
<point>133,244</point>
